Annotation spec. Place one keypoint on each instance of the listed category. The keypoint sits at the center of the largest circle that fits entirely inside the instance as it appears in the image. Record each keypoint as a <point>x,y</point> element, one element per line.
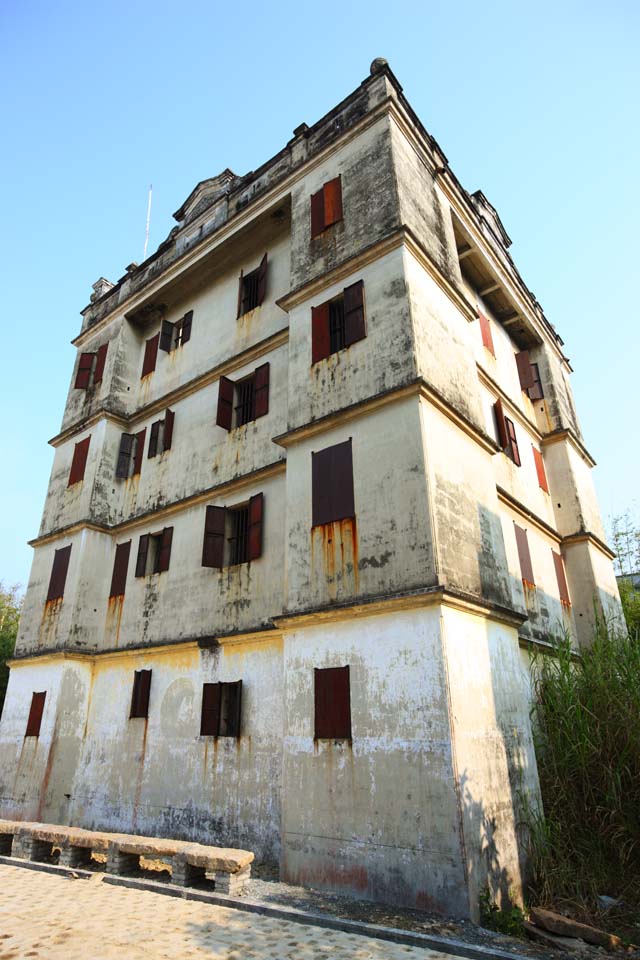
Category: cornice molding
<point>518,507</point>
<point>567,434</point>
<point>587,536</point>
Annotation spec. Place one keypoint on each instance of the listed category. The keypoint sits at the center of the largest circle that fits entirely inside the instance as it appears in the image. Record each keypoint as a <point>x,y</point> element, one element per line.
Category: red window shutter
<point>166,336</point>
<point>332,703</point>
<point>542,476</point>
<point>210,716</point>
<point>169,417</point>
<point>354,328</point>
<point>320,340</point>
<point>79,462</point>
<point>140,694</point>
<point>224,415</point>
<point>503,437</point>
<point>100,362</point>
<point>256,505</point>
<point>332,484</point>
<point>139,444</point>
<point>150,354</point>
<point>262,280</point>
<point>141,561</point>
<point>525,372</point>
<point>35,714</point>
<point>83,375</point>
<point>213,545</point>
<point>261,386</point>
<point>185,333</point>
<point>563,589</point>
<point>120,567</point>
<point>165,550</point>
<point>59,573</point>
<point>332,201</point>
<point>234,708</point>
<point>512,445</point>
<point>524,556</point>
<point>485,330</point>
<point>153,439</point>
<point>317,213</point>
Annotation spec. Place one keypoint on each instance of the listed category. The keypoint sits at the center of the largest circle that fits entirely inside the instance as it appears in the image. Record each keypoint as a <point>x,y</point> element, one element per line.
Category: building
<point>319,481</point>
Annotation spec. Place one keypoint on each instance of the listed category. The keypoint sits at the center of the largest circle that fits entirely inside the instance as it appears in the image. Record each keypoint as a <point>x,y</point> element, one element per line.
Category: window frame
<point>332,703</point>
<point>221,706</point>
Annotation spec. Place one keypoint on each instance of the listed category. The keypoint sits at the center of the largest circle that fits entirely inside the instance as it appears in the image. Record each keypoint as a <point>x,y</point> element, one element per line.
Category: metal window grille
<point>336,325</point>
<point>239,539</point>
<point>246,397</point>
<point>250,285</point>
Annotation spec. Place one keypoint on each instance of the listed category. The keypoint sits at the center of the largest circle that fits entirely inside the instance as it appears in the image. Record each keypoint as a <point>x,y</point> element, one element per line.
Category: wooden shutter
<point>332,484</point>
<point>332,201</point>
<point>320,340</point>
<point>332,702</point>
<point>79,462</point>
<point>213,545</point>
<point>124,455</point>
<point>535,392</point>
<point>59,573</point>
<point>524,556</point>
<point>169,417</point>
<point>165,550</point>
<point>503,437</point>
<point>525,372</point>
<point>256,505</point>
<point>83,375</point>
<point>153,439</point>
<point>542,476</point>
<point>224,415</point>
<point>100,362</point>
<point>261,387</point>
<point>485,330</point>
<point>150,354</point>
<point>120,567</point>
<point>317,213</point>
<point>354,328</point>
<point>512,446</point>
<point>143,549</point>
<point>240,292</point>
<point>262,280</point>
<point>234,708</point>
<point>210,716</point>
<point>140,695</point>
<point>35,714</point>
<point>166,336</point>
<point>137,460</point>
<point>563,589</point>
<point>185,333</point>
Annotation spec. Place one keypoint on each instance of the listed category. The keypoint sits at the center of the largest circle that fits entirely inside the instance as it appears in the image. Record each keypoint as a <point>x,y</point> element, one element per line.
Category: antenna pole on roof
<point>146,233</point>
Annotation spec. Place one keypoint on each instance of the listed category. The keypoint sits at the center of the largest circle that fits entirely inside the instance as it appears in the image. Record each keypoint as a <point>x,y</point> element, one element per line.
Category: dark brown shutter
<point>536,392</point>
<point>332,484</point>
<point>512,446</point>
<point>524,369</point>
<point>124,455</point>
<point>165,550</point>
<point>485,330</point>
<point>143,549</point>
<point>120,567</point>
<point>261,386</point>
<point>332,201</point>
<point>140,694</point>
<point>224,415</point>
<point>354,328</point>
<point>35,714</point>
<point>83,374</point>
<point>213,545</point>
<point>240,292</point>
<point>320,340</point>
<point>210,716</point>
<point>137,462</point>
<point>100,362</point>
<point>234,709</point>
<point>166,336</point>
<point>256,505</point>
<point>542,475</point>
<point>526,569</point>
<point>317,213</point>
<point>169,417</point>
<point>79,462</point>
<point>59,573</point>
<point>503,437</point>
<point>262,280</point>
<point>563,589</point>
<point>185,333</point>
<point>150,354</point>
<point>153,439</point>
<point>332,702</point>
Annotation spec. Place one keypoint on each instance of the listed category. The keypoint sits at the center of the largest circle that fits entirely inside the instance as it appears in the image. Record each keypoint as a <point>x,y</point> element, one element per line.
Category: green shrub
<point>508,920</point>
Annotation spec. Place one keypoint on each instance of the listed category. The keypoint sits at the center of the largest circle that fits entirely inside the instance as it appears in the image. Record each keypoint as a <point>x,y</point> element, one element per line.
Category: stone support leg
<point>184,874</point>
<point>122,864</point>
<point>74,856</point>
<point>233,884</point>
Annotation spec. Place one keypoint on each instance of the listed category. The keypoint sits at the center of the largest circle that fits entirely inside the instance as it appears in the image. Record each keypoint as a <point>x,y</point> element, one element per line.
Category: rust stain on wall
<point>49,622</point>
<point>143,752</point>
<point>336,543</point>
<point>114,619</point>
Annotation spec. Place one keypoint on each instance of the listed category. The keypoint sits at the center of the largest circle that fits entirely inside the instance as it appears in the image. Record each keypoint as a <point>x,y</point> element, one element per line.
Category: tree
<point>625,536</point>
<point>10,607</point>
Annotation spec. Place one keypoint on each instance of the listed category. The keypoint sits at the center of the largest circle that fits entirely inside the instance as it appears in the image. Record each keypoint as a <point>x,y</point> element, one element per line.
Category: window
<point>252,288</point>
<point>221,709</point>
<point>524,556</point>
<point>91,368</point>
<point>120,566</point>
<point>542,476</point>
<point>130,454</point>
<point>485,330</point>
<point>233,535</point>
<point>35,714</point>
<point>332,703</point>
<point>506,433</point>
<point>244,400</point>
<point>529,375</point>
<point>338,323</point>
<point>59,573</point>
<point>563,589</point>
<point>154,552</point>
<point>161,435</point>
<point>79,462</point>
<point>140,694</point>
<point>535,392</point>
<point>150,356</point>
<point>174,335</point>
<point>326,206</point>
<point>332,484</point>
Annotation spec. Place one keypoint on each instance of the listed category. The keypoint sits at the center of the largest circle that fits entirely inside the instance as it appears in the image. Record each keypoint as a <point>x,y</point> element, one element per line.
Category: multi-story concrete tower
<point>319,481</point>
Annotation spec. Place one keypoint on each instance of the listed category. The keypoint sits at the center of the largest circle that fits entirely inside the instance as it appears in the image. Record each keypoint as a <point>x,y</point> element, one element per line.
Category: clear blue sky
<point>536,104</point>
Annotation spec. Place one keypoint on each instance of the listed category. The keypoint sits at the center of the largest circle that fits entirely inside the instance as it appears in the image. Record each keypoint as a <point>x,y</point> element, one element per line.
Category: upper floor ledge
<point>566,433</point>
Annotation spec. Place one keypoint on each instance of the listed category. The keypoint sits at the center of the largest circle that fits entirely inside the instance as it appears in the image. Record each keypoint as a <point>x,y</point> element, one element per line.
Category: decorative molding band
<point>507,498</point>
<point>567,434</point>
<point>591,538</point>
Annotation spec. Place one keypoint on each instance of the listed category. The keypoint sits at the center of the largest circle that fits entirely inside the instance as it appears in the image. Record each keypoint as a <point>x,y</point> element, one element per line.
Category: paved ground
<point>54,918</point>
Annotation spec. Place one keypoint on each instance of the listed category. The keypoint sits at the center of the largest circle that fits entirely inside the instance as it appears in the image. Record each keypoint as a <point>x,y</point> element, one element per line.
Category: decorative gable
<point>204,195</point>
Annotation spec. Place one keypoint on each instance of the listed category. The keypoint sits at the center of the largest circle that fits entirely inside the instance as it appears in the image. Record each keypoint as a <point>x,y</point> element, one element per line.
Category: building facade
<point>318,484</point>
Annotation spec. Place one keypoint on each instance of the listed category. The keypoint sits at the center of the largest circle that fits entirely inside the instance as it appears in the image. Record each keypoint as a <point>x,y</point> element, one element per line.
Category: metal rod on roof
<point>146,234</point>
